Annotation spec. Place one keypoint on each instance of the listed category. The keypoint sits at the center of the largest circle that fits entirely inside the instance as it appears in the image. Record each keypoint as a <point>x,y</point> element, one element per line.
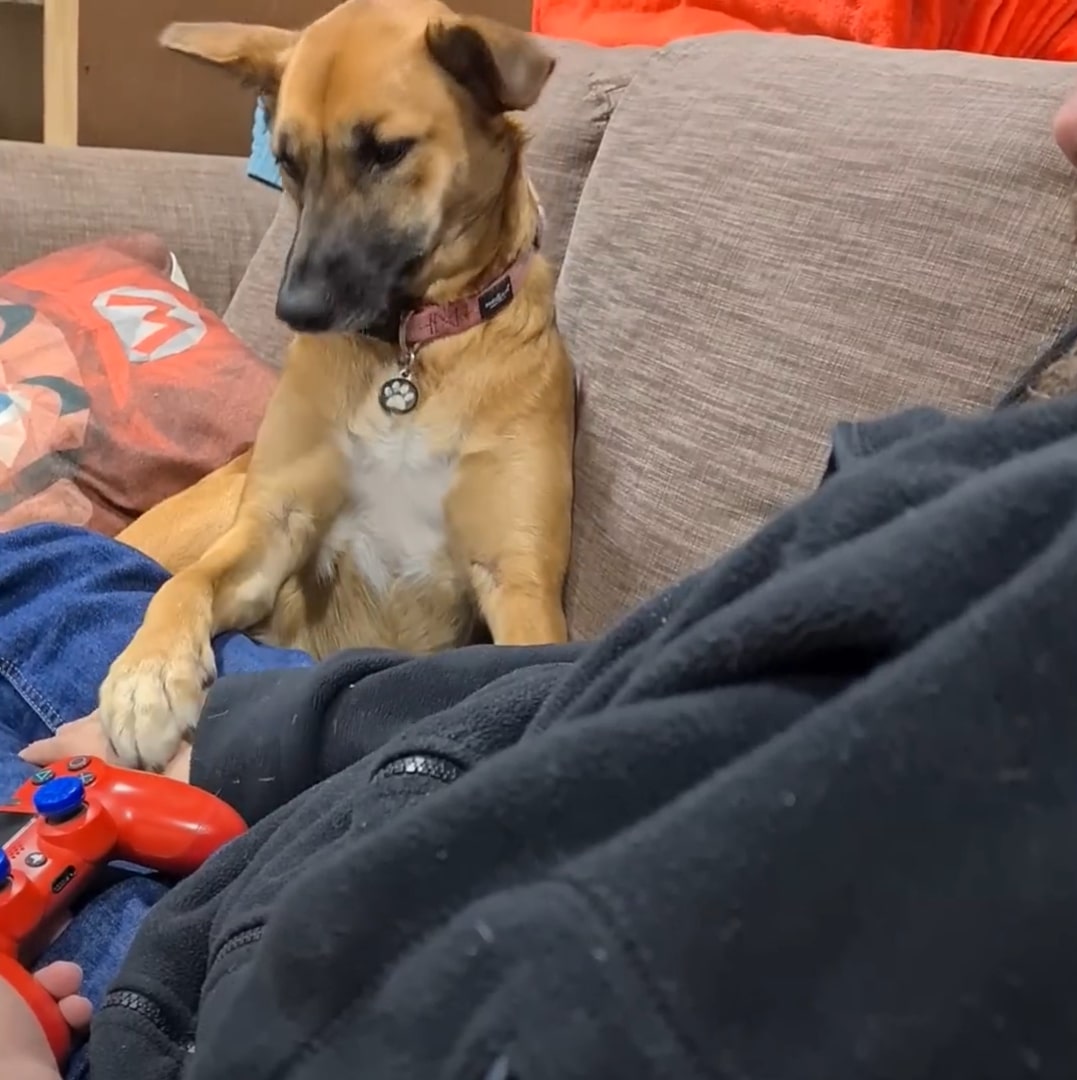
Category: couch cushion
<point>566,128</point>
<point>202,206</point>
<point>117,387</point>
<point>777,234</point>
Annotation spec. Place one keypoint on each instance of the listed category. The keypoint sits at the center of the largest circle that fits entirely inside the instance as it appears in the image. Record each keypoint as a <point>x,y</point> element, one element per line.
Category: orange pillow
<point>117,387</point>
<point>1033,29</point>
<point>653,23</point>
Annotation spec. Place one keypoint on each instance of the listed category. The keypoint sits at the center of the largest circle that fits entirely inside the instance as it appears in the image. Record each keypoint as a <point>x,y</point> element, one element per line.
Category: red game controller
<point>69,820</point>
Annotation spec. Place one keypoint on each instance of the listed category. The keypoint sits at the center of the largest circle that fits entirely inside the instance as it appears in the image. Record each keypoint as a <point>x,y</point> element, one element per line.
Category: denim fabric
<point>69,602</point>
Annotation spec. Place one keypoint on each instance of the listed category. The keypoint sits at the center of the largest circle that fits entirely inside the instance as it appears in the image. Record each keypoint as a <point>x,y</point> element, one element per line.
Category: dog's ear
<point>503,69</point>
<point>257,54</point>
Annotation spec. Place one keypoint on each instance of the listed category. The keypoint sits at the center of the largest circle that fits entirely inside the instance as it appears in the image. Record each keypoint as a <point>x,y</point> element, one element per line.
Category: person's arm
<point>265,737</point>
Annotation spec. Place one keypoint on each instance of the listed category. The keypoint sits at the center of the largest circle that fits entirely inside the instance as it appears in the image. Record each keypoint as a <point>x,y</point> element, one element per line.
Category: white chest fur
<point>393,526</point>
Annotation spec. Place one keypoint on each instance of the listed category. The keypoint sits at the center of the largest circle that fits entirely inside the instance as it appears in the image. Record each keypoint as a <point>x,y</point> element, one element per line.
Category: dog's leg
<point>153,694</point>
<point>520,601</point>
<point>513,518</point>
<point>179,531</point>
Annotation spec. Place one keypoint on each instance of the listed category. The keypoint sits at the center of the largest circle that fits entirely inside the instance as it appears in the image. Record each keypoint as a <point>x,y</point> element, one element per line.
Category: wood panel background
<point>134,94</point>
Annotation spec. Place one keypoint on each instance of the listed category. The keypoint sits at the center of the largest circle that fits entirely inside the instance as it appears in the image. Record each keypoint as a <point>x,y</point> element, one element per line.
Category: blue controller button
<point>59,798</point>
<point>5,868</point>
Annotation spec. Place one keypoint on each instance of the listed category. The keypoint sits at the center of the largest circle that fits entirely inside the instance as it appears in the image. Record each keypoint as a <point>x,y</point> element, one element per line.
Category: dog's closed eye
<point>374,153</point>
<point>289,166</point>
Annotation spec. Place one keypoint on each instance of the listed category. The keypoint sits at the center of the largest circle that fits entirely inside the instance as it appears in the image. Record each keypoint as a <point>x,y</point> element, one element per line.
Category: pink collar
<point>435,321</point>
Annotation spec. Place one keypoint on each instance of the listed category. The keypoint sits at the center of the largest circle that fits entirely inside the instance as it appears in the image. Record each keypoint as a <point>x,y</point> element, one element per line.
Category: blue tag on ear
<point>262,165</point>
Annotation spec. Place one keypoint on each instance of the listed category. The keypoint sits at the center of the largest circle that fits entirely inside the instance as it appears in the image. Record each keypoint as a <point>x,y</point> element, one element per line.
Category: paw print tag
<point>398,395</point>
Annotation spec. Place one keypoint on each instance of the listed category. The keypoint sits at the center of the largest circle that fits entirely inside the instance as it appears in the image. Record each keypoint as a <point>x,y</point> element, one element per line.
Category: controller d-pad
<point>42,776</point>
<point>77,764</point>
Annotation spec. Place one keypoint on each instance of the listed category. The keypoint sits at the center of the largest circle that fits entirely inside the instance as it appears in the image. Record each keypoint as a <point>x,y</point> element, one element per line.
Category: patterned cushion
<point>117,387</point>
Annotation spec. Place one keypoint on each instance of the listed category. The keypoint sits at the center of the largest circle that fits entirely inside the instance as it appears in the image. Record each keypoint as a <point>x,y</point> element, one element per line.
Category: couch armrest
<point>205,208</point>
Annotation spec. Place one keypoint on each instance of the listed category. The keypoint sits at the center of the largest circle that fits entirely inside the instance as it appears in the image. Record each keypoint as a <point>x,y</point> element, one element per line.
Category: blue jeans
<point>69,603</point>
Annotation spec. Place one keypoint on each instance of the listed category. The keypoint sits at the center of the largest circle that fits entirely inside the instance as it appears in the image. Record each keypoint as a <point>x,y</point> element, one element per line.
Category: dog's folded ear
<point>257,54</point>
<point>503,69</point>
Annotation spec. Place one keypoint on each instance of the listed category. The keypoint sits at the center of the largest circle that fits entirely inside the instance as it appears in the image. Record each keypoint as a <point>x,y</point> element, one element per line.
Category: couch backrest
<point>777,234</point>
<point>213,219</point>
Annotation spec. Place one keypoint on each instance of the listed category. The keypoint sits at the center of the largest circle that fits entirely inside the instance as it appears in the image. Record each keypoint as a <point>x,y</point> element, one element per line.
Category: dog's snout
<point>305,306</point>
<point>344,273</point>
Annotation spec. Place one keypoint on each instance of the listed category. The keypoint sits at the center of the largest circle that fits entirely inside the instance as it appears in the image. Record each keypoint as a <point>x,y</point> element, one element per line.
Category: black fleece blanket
<point>810,815</point>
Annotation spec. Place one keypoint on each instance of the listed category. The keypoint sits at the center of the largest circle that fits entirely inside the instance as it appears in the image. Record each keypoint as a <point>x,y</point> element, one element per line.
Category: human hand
<point>26,1050</point>
<point>1065,127</point>
<point>86,738</point>
<point>79,738</point>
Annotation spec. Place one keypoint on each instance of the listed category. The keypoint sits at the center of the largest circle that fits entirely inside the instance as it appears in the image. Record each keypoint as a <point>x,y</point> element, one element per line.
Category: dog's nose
<point>306,308</point>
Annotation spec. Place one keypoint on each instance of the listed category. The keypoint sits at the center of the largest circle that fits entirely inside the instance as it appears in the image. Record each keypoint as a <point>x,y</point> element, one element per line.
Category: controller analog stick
<point>60,799</point>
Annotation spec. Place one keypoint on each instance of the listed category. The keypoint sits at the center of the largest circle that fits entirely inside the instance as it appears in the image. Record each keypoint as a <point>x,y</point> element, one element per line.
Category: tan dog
<point>414,469</point>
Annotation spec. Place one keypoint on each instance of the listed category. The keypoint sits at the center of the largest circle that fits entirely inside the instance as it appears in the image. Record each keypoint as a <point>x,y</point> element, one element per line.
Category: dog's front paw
<point>151,701</point>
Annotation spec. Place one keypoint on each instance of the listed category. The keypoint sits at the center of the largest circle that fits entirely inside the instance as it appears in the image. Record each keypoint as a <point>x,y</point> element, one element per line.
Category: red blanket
<point>1041,29</point>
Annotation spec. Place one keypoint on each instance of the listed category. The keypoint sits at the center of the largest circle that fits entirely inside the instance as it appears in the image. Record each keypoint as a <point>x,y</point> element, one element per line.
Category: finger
<point>61,979</point>
<point>179,768</point>
<point>1065,127</point>
<point>83,736</point>
<point>77,1011</point>
<point>43,752</point>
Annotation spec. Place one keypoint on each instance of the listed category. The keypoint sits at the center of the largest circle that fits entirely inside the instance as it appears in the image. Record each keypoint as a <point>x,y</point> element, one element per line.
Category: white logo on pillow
<point>151,324</point>
<point>176,274</point>
<point>14,408</point>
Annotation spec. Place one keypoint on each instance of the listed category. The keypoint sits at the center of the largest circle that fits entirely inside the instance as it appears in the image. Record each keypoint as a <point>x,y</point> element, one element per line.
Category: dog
<point>412,477</point>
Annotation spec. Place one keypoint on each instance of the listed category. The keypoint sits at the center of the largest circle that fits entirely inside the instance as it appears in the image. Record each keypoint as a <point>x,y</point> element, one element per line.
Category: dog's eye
<point>374,153</point>
<point>289,166</point>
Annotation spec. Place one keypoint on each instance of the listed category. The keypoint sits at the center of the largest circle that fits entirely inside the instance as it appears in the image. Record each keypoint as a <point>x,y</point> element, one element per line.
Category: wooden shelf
<point>60,68</point>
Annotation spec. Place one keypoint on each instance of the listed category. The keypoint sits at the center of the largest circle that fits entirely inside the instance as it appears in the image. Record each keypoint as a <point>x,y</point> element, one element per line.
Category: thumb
<point>44,751</point>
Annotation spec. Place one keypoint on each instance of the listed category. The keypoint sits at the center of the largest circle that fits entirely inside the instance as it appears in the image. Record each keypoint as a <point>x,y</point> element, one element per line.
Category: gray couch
<point>758,236</point>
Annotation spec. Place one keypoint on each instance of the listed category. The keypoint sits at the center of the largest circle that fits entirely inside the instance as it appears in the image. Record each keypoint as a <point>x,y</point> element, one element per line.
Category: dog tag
<point>398,395</point>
